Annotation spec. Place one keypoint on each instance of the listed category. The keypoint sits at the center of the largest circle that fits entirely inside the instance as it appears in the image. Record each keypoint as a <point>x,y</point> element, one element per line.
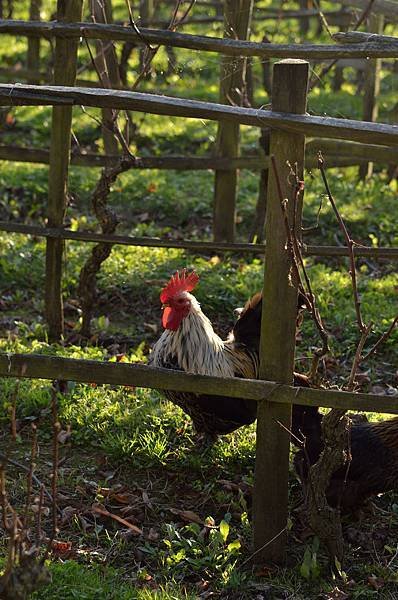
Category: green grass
<point>72,581</point>
<point>132,439</point>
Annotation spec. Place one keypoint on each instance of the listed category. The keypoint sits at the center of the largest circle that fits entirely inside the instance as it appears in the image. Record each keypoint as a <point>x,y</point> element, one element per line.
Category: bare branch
<point>349,243</point>
<point>358,357</point>
<point>294,247</point>
<point>32,465</point>
<point>382,339</point>
<point>356,26</point>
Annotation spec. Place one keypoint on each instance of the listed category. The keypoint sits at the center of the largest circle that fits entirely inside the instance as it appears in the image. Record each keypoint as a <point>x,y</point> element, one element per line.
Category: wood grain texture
<point>127,240</point>
<point>237,21</point>
<point>372,49</point>
<point>40,366</point>
<point>278,325</point>
<point>389,8</point>
<point>372,78</point>
<point>64,74</point>
<point>328,127</point>
<point>336,153</point>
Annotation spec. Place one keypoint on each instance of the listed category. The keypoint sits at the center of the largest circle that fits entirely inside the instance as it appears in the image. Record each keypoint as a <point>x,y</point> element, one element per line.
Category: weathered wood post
<point>33,56</point>
<point>278,328</point>
<point>305,23</point>
<point>68,11</point>
<point>237,21</point>
<point>338,77</point>
<point>372,88</point>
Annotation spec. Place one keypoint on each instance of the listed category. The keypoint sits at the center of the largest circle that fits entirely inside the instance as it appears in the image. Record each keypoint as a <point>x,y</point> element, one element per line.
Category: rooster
<point>374,458</point>
<point>189,343</point>
<point>247,332</point>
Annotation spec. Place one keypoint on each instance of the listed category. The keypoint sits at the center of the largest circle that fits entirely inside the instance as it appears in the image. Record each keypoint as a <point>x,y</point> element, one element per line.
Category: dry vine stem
<point>25,571</point>
<point>106,217</point>
<point>325,520</point>
<point>318,78</point>
<point>101,251</point>
<point>298,266</point>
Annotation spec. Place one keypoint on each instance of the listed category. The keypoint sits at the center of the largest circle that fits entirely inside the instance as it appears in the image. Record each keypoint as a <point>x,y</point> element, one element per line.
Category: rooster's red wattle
<point>189,343</point>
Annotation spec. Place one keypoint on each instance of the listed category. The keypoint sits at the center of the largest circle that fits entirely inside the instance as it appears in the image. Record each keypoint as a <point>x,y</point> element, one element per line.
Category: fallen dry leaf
<point>187,515</point>
<point>105,513</point>
<point>378,389</point>
<point>376,582</point>
<point>61,548</point>
<point>64,435</point>
<point>153,535</point>
<point>45,511</point>
<point>84,523</point>
<point>146,500</point>
<point>67,514</point>
<point>127,510</point>
<point>10,119</point>
<point>336,594</point>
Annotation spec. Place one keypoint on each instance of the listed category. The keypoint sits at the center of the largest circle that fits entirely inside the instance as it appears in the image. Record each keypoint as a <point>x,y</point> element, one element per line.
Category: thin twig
<point>323,18</point>
<point>358,357</point>
<point>32,465</point>
<point>382,339</point>
<point>349,243</point>
<point>325,71</point>
<point>14,410</point>
<point>55,461</point>
<point>302,443</point>
<point>5,459</point>
<point>297,261</point>
<point>39,516</point>
<point>364,15</point>
<point>263,546</point>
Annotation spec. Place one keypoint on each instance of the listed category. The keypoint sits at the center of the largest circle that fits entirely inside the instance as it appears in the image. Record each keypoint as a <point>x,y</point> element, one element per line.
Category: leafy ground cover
<point>128,452</point>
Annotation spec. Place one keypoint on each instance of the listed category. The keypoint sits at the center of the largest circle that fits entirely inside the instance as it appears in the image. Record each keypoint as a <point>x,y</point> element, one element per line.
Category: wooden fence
<point>290,126</point>
<point>227,161</point>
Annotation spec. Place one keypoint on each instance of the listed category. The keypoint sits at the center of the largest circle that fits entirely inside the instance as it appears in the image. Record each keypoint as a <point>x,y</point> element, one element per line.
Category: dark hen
<point>374,464</point>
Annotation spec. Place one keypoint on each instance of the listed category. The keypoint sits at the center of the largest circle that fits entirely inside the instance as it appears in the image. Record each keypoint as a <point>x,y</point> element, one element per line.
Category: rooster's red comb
<point>179,282</point>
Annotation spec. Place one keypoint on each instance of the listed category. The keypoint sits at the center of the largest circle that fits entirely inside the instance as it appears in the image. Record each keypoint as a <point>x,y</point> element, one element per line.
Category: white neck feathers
<point>194,346</point>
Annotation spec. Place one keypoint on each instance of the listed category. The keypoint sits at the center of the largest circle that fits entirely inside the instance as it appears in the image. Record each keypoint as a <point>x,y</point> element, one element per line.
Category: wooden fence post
<point>338,76</point>
<point>33,56</point>
<point>372,88</point>
<point>278,328</point>
<point>68,11</point>
<point>304,24</point>
<point>237,20</point>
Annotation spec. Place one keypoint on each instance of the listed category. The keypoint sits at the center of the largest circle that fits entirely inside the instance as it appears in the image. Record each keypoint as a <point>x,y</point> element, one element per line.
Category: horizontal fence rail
<point>328,127</point>
<point>338,153</point>
<point>126,240</point>
<point>367,49</point>
<point>389,8</point>
<point>358,37</point>
<point>38,366</point>
<point>90,159</point>
<point>334,17</point>
<point>345,149</point>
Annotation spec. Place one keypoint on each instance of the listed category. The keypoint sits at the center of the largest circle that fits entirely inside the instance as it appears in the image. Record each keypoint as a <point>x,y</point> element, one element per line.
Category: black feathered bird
<point>374,458</point>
